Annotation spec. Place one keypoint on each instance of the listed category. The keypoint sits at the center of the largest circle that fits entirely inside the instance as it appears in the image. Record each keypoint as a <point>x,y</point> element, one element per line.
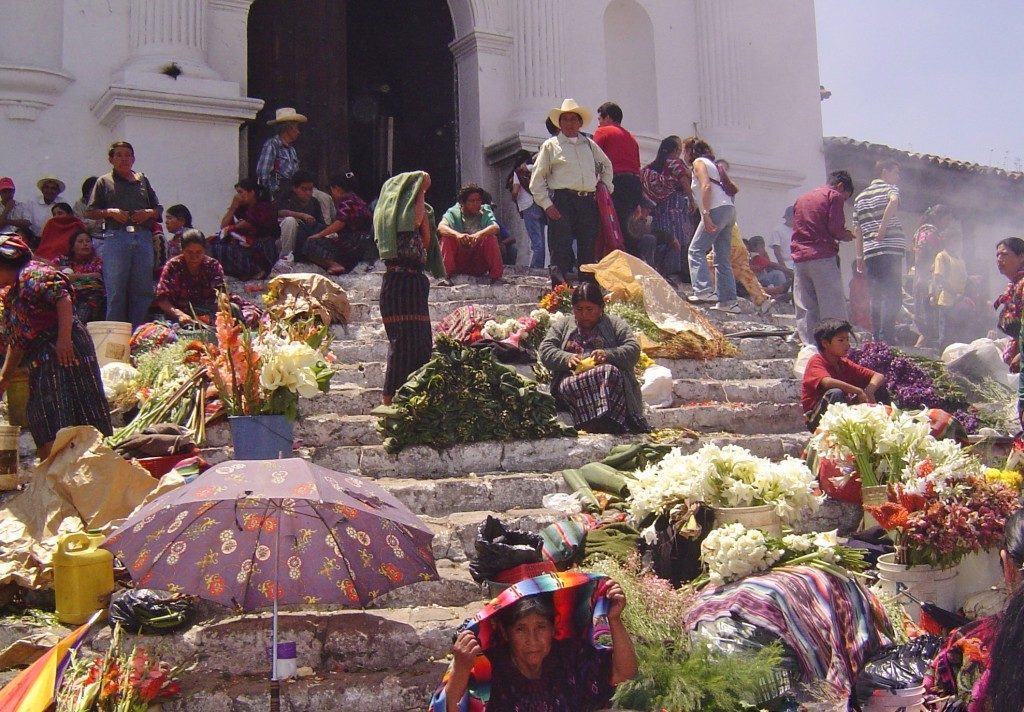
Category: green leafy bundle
<point>674,674</point>
<point>463,395</point>
<point>632,311</point>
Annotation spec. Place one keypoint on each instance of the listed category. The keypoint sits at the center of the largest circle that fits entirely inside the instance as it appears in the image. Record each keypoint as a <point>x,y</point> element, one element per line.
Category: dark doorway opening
<point>375,78</point>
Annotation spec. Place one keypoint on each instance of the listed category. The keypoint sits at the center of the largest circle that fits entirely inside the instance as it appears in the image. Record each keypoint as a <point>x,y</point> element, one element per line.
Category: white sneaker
<point>701,298</point>
<point>731,308</point>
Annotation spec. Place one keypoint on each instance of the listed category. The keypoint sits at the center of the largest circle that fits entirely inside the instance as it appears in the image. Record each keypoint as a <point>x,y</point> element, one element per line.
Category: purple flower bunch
<point>909,385</point>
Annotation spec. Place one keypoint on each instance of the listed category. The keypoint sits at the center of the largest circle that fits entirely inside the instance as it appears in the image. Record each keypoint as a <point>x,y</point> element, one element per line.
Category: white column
<point>162,32</point>
<point>538,60</point>
<point>723,106</point>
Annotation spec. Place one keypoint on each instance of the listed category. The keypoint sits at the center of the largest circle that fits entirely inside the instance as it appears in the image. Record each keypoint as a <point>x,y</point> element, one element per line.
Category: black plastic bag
<point>499,548</point>
<point>146,610</point>
<point>898,667</point>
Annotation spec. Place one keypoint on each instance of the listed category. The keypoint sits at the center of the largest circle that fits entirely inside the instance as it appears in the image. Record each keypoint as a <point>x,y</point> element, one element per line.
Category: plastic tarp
<point>82,485</point>
<point>627,276</point>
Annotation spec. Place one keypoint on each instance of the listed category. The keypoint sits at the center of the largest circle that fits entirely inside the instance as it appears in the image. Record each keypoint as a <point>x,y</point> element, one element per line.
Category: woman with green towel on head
<point>406,236</point>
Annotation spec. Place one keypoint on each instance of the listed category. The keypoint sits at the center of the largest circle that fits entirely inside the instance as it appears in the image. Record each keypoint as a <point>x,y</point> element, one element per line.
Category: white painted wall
<point>195,158</point>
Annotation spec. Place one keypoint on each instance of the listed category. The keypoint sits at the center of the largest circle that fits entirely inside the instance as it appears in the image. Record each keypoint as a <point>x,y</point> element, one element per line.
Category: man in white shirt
<point>40,209</point>
<point>779,240</point>
<point>564,184</point>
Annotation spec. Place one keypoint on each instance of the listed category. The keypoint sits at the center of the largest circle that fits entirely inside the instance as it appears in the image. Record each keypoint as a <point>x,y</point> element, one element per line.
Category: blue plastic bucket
<point>261,437</point>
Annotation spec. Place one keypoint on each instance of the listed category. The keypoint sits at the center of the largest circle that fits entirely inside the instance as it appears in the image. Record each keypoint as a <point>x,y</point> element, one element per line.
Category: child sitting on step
<point>830,377</point>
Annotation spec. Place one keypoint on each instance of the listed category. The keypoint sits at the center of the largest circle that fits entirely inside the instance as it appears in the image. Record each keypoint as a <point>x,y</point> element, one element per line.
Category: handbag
<point>609,236</point>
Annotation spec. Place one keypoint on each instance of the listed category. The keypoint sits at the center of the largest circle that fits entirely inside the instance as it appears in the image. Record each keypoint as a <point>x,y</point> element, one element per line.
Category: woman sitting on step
<point>592,357</point>
<point>190,282</point>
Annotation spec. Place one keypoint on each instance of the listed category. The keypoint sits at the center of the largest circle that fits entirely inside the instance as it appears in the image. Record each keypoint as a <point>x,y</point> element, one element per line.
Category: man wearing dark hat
<point>50,188</point>
<point>279,160</point>
<point>564,183</point>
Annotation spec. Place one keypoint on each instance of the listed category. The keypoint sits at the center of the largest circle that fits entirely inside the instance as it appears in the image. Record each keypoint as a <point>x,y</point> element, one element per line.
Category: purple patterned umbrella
<point>252,534</point>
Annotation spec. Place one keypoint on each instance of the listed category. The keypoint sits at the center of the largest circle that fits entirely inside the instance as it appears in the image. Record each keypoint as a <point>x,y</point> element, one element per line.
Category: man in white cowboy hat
<point>564,183</point>
<point>278,158</point>
<point>50,188</point>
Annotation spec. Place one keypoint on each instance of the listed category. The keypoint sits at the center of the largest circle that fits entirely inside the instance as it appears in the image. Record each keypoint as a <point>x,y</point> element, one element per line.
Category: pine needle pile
<point>674,674</point>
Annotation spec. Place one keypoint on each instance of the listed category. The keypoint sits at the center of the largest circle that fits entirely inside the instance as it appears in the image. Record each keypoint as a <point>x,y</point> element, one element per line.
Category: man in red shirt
<point>624,152</point>
<point>819,225</point>
<point>830,377</point>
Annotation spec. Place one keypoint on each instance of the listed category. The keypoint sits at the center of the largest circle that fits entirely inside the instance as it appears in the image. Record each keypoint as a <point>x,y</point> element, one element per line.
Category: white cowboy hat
<point>54,179</point>
<point>286,114</point>
<point>569,106</point>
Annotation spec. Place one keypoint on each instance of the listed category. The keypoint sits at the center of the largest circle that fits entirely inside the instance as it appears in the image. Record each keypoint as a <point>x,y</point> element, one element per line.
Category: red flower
<point>889,515</point>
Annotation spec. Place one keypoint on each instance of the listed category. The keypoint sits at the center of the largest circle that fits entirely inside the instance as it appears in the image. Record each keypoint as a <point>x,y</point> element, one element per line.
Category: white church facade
<point>452,86</point>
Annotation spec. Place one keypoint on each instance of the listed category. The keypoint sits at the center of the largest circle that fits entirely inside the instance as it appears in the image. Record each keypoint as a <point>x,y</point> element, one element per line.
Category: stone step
<point>727,369</point>
<point>767,390</point>
<point>515,456</point>
<point>495,492</point>
<point>748,418</point>
<point>370,312</point>
<point>327,638</point>
<point>405,689</point>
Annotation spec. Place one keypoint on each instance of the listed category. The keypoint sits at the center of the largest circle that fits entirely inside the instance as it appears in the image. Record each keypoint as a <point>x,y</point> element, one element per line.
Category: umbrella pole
<point>275,684</point>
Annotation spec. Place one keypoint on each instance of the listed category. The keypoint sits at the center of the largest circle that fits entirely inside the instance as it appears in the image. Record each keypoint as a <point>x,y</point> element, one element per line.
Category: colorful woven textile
<point>581,611</point>
<point>830,623</point>
<point>464,324</point>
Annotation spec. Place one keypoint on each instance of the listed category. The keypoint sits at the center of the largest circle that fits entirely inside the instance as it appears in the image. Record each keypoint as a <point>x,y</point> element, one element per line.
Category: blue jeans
<point>533,220</point>
<point>128,275</point>
<point>725,282</point>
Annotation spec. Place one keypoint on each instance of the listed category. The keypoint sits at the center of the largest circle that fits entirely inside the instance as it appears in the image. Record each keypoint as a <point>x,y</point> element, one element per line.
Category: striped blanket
<point>830,623</point>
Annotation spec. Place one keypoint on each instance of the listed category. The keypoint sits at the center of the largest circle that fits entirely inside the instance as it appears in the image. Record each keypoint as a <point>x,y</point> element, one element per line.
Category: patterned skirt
<point>672,217</point>
<point>243,262</point>
<point>597,399</point>
<point>347,249</point>
<point>406,314</point>
<point>62,396</point>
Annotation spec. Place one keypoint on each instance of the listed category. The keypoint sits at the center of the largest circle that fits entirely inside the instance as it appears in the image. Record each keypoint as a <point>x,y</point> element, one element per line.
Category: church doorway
<point>375,78</point>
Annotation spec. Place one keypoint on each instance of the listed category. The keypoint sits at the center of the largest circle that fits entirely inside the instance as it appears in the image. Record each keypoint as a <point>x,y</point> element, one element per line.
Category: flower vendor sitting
<point>830,377</point>
<point>592,357</point>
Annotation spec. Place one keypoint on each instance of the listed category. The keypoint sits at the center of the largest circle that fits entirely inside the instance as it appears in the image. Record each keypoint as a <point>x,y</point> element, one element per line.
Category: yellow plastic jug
<point>83,577</point>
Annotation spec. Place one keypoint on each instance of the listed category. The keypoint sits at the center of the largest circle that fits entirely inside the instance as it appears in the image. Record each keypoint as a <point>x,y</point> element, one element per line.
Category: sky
<point>930,76</point>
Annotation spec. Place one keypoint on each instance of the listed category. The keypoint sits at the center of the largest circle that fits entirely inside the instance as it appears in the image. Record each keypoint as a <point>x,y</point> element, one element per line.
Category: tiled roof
<point>940,161</point>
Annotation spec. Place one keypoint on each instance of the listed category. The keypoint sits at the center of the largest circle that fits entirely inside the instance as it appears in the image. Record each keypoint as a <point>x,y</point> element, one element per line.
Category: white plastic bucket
<point>762,517</point>
<point>112,340</point>
<point>908,700</point>
<point>925,583</point>
<point>9,457</point>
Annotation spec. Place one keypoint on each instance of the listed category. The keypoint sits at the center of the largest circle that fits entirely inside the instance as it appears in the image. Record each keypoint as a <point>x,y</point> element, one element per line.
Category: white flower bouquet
<point>732,552</point>
<point>728,476</point>
<point>889,445</point>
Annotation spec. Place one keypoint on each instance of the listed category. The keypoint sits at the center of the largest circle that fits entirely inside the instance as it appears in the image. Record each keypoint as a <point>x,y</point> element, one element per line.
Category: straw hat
<point>569,106</point>
<point>54,179</point>
<point>286,114</point>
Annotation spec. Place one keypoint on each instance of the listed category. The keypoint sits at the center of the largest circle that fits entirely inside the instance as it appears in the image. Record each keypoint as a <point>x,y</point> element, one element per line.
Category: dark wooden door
<point>375,78</point>
<point>297,58</point>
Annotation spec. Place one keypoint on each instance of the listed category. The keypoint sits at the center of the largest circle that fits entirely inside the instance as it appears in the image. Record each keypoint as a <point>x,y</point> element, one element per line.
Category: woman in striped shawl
<point>41,328</point>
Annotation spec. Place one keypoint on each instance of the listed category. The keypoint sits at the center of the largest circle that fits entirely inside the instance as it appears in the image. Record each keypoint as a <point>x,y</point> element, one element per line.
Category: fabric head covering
<point>581,611</point>
<point>12,247</point>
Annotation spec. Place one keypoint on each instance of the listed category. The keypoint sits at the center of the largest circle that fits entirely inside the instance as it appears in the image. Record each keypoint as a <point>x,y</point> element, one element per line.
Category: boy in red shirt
<point>830,377</point>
